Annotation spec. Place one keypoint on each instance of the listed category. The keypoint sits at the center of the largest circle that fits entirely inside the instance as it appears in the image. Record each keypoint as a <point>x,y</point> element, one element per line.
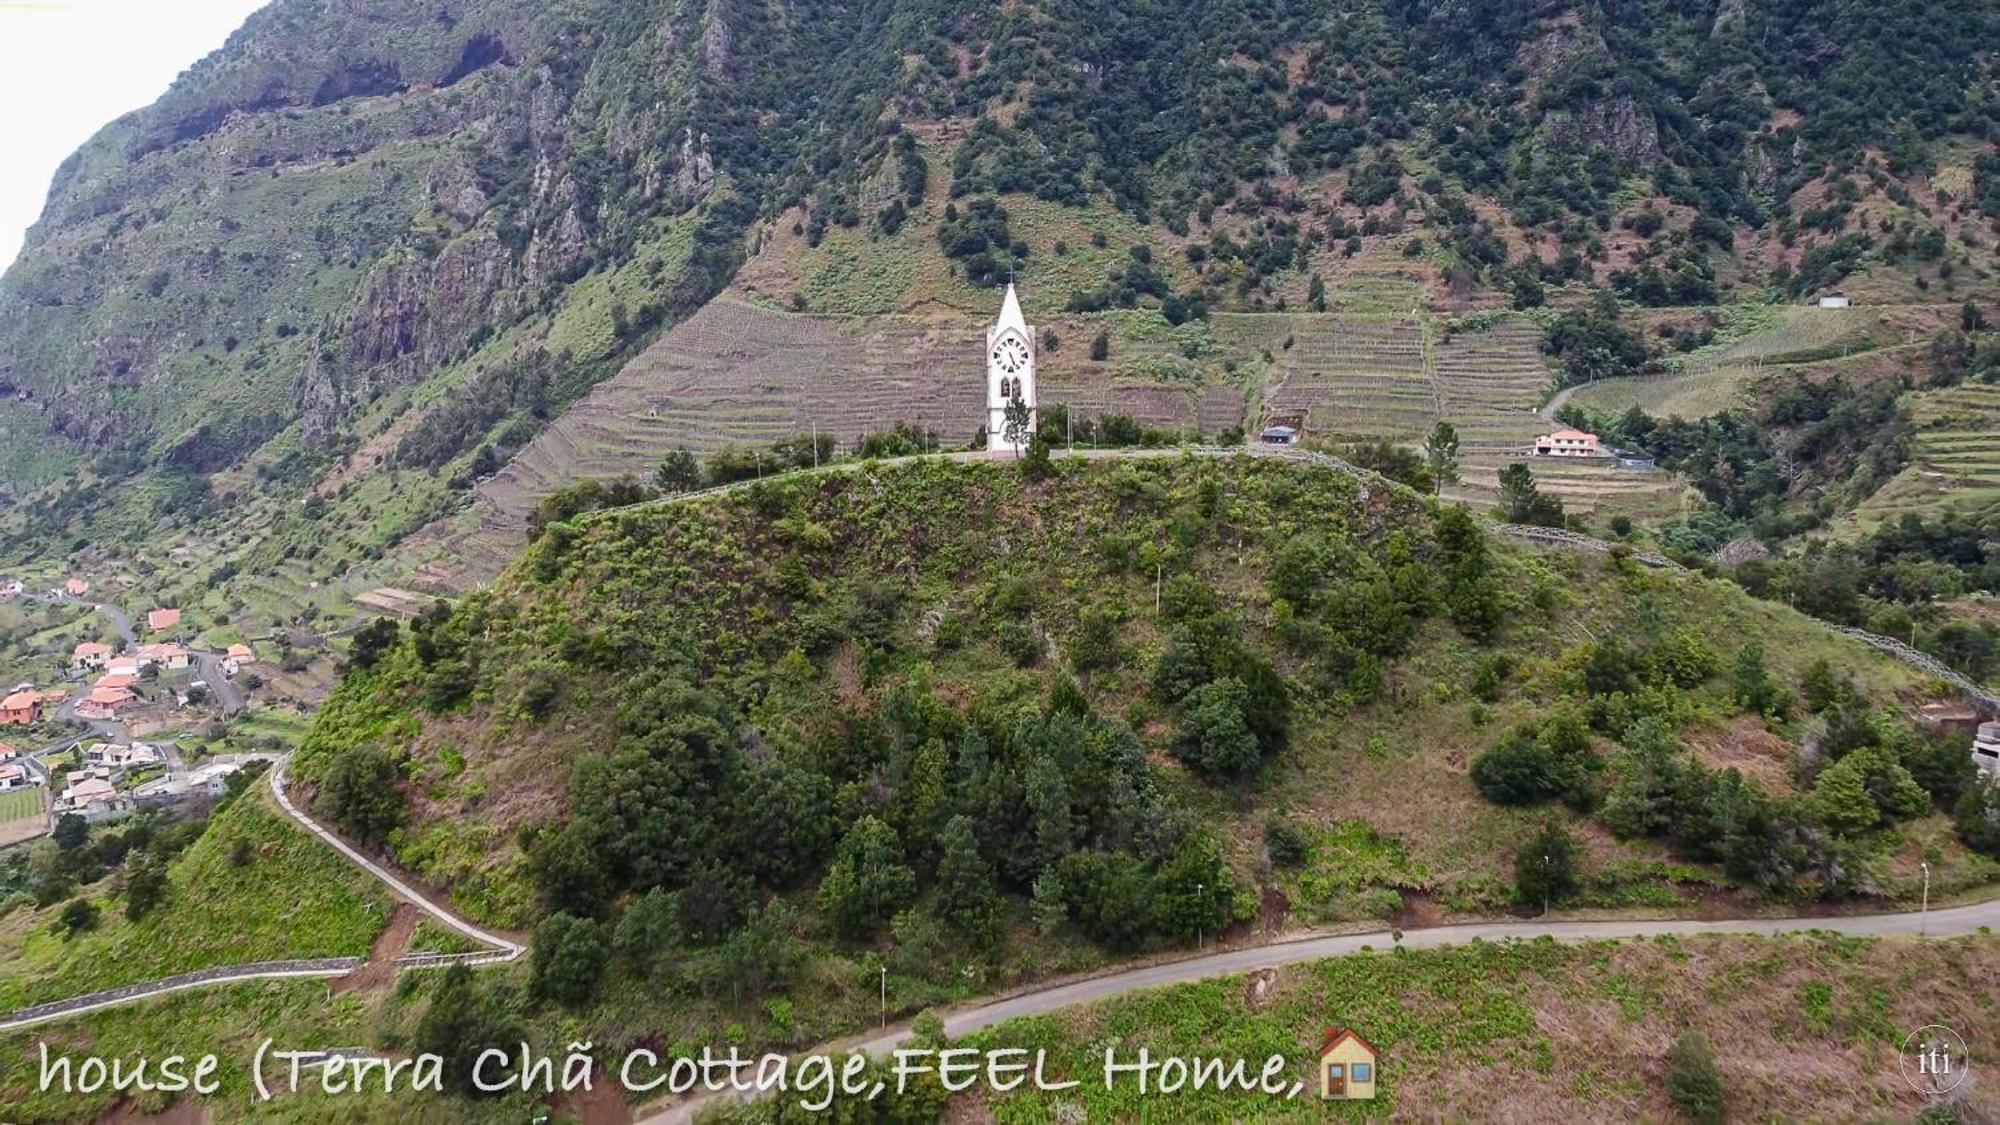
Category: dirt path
<point>379,970</point>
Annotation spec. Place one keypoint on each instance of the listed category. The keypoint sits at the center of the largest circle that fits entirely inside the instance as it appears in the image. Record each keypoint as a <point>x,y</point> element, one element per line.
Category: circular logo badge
<point>1934,1059</point>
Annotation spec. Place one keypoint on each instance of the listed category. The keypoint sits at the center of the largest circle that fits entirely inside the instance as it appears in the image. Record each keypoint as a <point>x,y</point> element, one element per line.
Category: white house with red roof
<point>1568,443</point>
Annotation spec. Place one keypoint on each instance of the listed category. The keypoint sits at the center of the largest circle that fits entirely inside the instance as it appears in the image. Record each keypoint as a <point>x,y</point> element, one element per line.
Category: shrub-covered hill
<point>955,711</point>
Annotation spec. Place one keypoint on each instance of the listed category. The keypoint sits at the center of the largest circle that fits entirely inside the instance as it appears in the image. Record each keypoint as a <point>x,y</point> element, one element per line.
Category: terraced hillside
<point>1759,341</point>
<point>739,373</point>
<point>742,372</point>
<point>1955,457</point>
<point>1348,378</point>
<point>1596,487</point>
<point>1393,377</point>
<point>1491,381</point>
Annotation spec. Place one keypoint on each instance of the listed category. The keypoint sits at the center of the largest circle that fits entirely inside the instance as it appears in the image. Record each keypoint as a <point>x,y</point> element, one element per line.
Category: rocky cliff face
<point>342,199</point>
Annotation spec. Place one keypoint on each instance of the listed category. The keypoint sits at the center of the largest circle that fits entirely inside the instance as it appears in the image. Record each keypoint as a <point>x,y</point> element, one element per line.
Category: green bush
<point>1694,1082</point>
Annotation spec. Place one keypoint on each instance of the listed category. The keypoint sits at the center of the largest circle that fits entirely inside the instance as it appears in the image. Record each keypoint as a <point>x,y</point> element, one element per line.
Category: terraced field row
<point>1348,377</point>
<point>1955,457</point>
<point>1492,382</point>
<point>1595,487</point>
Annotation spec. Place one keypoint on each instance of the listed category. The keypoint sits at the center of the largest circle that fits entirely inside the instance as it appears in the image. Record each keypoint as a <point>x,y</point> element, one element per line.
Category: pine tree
<point>648,931</point>
<point>1049,812</point>
<point>868,882</point>
<point>1441,455</point>
<point>1545,867</point>
<point>145,884</point>
<point>1049,905</point>
<point>966,897</point>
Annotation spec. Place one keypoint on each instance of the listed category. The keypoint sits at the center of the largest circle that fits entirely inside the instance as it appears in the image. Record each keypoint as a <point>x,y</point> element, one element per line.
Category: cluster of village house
<point>93,790</point>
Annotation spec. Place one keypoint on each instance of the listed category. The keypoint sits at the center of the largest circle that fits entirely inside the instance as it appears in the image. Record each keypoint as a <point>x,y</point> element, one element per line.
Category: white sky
<point>68,67</point>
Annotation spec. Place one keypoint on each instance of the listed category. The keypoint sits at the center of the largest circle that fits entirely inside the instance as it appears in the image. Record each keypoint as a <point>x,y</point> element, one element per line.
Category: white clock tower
<point>1010,373</point>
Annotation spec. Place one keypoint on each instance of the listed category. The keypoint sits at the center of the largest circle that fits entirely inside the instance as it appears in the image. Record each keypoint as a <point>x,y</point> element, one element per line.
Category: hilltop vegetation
<point>982,721</point>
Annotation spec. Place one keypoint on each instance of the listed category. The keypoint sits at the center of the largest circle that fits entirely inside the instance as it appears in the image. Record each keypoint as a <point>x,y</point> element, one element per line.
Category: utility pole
<point>1546,864</point>
<point>1924,912</point>
<point>1201,893</point>
<point>815,423</point>
<point>885,997</point>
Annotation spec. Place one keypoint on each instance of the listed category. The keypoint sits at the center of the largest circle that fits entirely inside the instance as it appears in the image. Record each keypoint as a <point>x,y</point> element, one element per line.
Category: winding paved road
<point>1955,921</point>
<point>500,949</point>
<point>503,948</point>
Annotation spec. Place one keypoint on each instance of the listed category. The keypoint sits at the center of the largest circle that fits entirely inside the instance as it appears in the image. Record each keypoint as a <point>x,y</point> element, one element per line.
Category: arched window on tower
<point>1006,388</point>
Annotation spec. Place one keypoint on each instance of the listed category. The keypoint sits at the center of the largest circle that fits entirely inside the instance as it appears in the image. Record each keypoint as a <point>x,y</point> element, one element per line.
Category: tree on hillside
<point>1192,890</point>
<point>1545,866</point>
<point>361,793</point>
<point>1977,816</point>
<point>1754,689</point>
<point>1214,736</point>
<point>1049,813</point>
<point>70,832</point>
<point>145,884</point>
<point>567,958</point>
<point>1441,454</point>
<point>1867,789</point>
<point>679,472</point>
<point>868,882</point>
<point>456,1026</point>
<point>1694,1082</point>
<point>78,916</point>
<point>649,930</point>
<point>1521,501</point>
<point>372,640</point>
<point>966,897</point>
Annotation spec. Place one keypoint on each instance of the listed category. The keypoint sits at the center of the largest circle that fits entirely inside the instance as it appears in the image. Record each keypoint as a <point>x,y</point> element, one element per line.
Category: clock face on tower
<point>1010,355</point>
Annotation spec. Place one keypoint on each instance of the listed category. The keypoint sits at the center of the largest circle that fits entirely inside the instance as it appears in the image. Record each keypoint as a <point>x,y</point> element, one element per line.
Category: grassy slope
<point>295,897</point>
<point>1806,1028</point>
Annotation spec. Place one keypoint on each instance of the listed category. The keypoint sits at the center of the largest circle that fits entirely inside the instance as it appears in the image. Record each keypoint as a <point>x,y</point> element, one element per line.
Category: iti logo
<point>1934,1059</point>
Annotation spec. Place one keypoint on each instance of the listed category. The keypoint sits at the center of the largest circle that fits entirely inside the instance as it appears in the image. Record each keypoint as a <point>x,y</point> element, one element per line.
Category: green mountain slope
<point>355,212</point>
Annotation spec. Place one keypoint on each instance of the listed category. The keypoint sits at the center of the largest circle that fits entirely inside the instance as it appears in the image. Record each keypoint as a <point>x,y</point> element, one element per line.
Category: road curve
<point>1955,921</point>
<point>500,949</point>
<point>505,949</point>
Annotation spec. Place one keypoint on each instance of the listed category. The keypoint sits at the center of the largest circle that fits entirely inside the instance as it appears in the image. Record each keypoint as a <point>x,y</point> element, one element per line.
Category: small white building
<point>1986,748</point>
<point>123,756</point>
<point>1279,435</point>
<point>13,776</point>
<point>1834,301</point>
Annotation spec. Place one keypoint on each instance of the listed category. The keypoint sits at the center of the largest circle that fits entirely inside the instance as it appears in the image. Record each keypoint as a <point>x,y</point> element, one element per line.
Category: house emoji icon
<point>1346,1066</point>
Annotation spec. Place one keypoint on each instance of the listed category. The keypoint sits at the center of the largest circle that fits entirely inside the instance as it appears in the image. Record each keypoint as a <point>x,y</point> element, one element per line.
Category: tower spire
<point>1010,313</point>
